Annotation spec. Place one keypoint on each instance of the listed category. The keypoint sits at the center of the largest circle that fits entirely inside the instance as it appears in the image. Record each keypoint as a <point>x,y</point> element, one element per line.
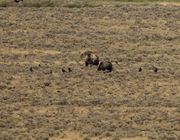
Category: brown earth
<point>43,103</point>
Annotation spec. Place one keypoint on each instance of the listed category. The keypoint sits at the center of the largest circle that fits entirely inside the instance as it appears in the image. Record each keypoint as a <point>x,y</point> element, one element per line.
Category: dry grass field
<point>40,102</point>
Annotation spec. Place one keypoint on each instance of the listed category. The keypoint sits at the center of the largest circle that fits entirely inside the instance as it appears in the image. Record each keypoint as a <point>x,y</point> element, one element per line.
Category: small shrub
<point>32,4</point>
<point>73,5</point>
<point>3,4</point>
<point>47,3</point>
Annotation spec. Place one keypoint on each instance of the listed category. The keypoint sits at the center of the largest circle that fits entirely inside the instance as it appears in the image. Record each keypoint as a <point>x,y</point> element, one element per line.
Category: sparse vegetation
<point>41,98</point>
<point>73,3</point>
<point>3,4</point>
<point>157,0</point>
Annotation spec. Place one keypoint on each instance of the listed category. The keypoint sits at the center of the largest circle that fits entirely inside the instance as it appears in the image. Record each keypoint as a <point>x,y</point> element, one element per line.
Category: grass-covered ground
<point>76,3</point>
<point>40,102</point>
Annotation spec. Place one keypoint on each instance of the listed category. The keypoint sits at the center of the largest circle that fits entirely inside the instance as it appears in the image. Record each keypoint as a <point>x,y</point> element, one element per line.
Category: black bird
<point>140,69</point>
<point>69,69</point>
<point>63,70</point>
<point>17,1</point>
<point>155,69</point>
<point>50,71</point>
<point>31,69</point>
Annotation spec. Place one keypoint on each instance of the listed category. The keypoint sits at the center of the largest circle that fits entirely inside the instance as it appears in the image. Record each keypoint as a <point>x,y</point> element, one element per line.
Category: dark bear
<point>105,66</point>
